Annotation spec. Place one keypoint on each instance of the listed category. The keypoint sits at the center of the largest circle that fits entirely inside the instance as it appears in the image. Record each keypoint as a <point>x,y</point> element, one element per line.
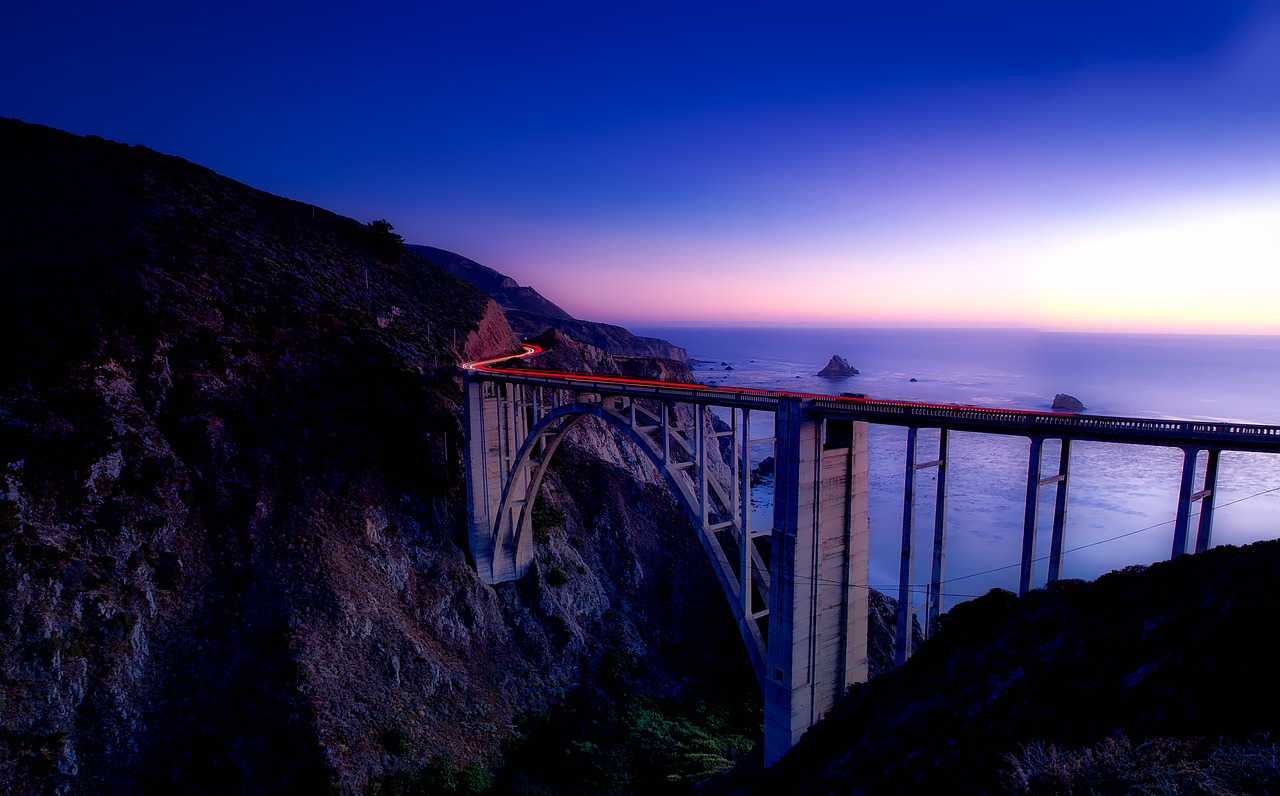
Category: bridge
<point>797,589</point>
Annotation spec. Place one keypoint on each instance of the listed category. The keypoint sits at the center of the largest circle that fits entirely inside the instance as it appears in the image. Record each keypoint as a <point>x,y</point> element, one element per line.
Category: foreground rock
<point>1067,403</point>
<point>838,368</point>
<point>1144,653</point>
<point>763,471</point>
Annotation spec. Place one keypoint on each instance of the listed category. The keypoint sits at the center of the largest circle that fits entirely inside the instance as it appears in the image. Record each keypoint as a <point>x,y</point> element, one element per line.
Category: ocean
<point>1122,498</point>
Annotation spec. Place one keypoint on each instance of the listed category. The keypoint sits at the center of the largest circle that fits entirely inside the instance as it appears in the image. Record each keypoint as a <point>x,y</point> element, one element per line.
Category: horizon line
<point>907,326</point>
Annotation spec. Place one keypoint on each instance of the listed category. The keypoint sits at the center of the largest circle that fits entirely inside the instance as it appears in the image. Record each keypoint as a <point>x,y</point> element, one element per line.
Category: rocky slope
<point>1143,681</point>
<point>509,294</point>
<point>232,540</point>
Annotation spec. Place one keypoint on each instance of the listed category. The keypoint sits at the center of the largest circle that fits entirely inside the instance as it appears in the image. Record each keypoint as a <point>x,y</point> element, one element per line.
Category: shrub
<point>10,523</point>
<point>383,240</point>
<point>444,775</point>
<point>545,517</point>
<point>1160,765</point>
<point>168,571</point>
<point>397,741</point>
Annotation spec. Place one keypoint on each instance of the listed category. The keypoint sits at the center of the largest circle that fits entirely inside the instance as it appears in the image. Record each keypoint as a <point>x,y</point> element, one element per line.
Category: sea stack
<point>838,368</point>
<point>1067,403</point>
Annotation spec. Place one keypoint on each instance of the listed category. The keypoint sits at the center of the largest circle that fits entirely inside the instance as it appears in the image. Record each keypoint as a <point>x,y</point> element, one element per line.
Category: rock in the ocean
<point>762,471</point>
<point>1067,403</point>
<point>838,368</point>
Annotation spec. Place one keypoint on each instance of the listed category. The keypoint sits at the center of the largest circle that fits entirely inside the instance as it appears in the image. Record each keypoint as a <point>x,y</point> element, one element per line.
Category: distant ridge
<point>530,313</point>
<point>509,294</point>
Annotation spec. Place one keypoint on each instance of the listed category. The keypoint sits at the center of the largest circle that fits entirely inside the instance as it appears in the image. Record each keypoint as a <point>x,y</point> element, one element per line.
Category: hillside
<point>1148,675</point>
<point>509,294</point>
<point>232,532</point>
<point>530,314</point>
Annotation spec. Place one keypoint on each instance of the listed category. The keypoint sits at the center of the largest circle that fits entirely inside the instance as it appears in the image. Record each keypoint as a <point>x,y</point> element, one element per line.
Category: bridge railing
<point>1138,430</point>
<point>639,388</point>
<point>1010,421</point>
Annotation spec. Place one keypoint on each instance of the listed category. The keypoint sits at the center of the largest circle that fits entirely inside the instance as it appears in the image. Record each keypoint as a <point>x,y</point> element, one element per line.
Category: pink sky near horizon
<point>1202,267</point>
<point>1103,204</point>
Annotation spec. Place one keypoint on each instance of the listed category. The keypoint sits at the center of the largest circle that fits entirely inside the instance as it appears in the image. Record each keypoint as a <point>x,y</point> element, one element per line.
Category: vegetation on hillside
<point>1168,659</point>
<point>233,548</point>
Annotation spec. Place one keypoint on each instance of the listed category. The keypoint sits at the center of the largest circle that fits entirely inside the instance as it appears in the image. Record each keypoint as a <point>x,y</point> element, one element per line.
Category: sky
<point>1083,165</point>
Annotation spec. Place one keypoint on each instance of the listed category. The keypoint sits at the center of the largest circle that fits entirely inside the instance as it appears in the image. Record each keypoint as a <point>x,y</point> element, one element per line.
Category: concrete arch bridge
<point>797,588</point>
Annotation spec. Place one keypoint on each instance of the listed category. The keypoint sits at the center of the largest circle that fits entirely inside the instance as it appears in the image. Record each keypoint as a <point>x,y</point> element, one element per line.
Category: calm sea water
<point>1122,498</point>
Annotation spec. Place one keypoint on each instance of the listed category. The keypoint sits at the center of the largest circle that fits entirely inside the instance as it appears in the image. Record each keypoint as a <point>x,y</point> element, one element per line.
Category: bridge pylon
<point>820,553</point>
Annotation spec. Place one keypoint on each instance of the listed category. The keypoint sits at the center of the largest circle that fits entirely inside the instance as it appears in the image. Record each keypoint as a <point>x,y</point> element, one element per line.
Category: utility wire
<point>924,589</point>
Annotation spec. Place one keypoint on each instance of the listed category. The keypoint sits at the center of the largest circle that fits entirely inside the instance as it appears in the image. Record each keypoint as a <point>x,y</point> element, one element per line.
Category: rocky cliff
<point>509,294</point>
<point>232,535</point>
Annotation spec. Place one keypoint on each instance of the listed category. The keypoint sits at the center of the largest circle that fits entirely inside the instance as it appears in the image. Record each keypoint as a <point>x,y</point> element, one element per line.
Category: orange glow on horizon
<point>1197,269</point>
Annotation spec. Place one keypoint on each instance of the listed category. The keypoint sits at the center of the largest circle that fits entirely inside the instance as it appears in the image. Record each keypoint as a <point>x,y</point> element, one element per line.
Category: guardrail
<point>635,388</point>
<point>988,420</point>
<point>1141,430</point>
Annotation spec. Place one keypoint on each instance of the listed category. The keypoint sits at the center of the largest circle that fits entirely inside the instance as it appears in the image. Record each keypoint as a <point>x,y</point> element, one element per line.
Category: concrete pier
<point>820,553</point>
<point>906,565</point>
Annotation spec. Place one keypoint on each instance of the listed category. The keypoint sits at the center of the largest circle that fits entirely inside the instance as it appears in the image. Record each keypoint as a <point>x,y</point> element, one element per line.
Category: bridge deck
<point>818,546</point>
<point>957,417</point>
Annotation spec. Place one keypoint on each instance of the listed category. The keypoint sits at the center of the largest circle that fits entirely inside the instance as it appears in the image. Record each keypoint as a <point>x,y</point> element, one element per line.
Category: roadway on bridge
<point>959,417</point>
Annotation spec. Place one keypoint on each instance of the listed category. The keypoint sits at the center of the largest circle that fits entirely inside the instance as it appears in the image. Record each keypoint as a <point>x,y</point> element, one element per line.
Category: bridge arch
<point>816,573</point>
<point>797,589</point>
<point>533,458</point>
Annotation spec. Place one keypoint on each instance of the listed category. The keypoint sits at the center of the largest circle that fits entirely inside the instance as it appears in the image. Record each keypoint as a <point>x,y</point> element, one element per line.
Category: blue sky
<point>1080,165</point>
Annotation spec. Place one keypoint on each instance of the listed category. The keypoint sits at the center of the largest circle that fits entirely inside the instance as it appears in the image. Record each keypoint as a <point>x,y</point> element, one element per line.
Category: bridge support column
<point>1183,517</point>
<point>1186,497</point>
<point>1210,489</point>
<point>906,594</point>
<point>939,539</point>
<point>1032,513</point>
<point>495,428</point>
<point>1059,512</point>
<point>902,638</point>
<point>817,643</point>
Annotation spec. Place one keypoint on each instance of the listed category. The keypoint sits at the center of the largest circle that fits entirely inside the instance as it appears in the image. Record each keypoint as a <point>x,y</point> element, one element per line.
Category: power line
<point>925,590</point>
